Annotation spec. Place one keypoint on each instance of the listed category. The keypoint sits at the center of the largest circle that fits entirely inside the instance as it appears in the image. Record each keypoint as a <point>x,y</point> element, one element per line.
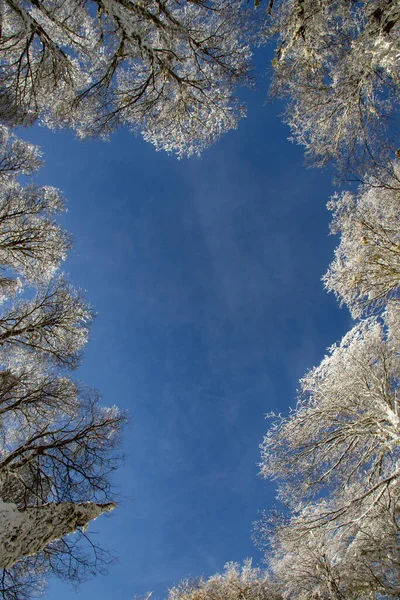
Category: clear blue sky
<point>206,277</point>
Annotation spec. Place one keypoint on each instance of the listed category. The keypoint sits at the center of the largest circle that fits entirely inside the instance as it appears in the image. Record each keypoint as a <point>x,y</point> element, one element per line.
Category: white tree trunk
<point>26,532</point>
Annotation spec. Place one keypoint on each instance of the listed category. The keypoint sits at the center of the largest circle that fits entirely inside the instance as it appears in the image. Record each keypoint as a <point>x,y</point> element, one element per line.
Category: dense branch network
<point>366,270</point>
<point>338,62</point>
<point>237,582</point>
<point>336,456</point>
<point>164,67</point>
<point>336,459</point>
<point>58,444</point>
<point>346,427</point>
<point>169,68</point>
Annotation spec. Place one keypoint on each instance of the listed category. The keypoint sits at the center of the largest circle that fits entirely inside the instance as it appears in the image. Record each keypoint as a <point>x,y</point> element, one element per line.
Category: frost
<point>168,70</point>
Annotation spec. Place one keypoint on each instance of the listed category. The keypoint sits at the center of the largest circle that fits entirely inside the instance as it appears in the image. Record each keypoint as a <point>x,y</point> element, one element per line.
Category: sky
<point>205,276</point>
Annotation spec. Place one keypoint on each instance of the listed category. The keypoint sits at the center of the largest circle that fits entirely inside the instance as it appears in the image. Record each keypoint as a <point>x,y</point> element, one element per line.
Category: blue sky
<point>205,274</point>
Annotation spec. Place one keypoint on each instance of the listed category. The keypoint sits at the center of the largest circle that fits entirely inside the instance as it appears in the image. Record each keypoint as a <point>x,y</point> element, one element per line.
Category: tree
<point>26,532</point>
<point>235,583</point>
<point>24,581</point>
<point>66,557</point>
<point>338,62</point>
<point>164,67</point>
<point>18,157</point>
<point>366,270</point>
<point>354,555</point>
<point>345,429</point>
<point>58,444</point>
<point>32,244</point>
<point>53,325</point>
<point>336,459</point>
<point>336,456</point>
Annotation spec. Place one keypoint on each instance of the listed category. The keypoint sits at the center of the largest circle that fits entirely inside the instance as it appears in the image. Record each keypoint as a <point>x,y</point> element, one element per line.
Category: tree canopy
<point>163,67</point>
<point>365,272</point>
<point>170,70</point>
<point>338,64</point>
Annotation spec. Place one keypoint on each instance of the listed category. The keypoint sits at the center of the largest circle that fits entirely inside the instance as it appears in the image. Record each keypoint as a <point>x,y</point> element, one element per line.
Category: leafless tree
<point>338,63</point>
<point>345,428</point>
<point>58,444</point>
<point>365,272</point>
<point>237,582</point>
<point>167,68</point>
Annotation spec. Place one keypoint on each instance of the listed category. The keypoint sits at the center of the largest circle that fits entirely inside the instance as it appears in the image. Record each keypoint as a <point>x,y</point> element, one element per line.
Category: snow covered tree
<point>32,244</point>
<point>346,426</point>
<point>366,270</point>
<point>338,62</point>
<point>164,67</point>
<point>54,325</point>
<point>337,462</point>
<point>336,456</point>
<point>352,556</point>
<point>17,157</point>
<point>58,445</point>
<point>235,583</point>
